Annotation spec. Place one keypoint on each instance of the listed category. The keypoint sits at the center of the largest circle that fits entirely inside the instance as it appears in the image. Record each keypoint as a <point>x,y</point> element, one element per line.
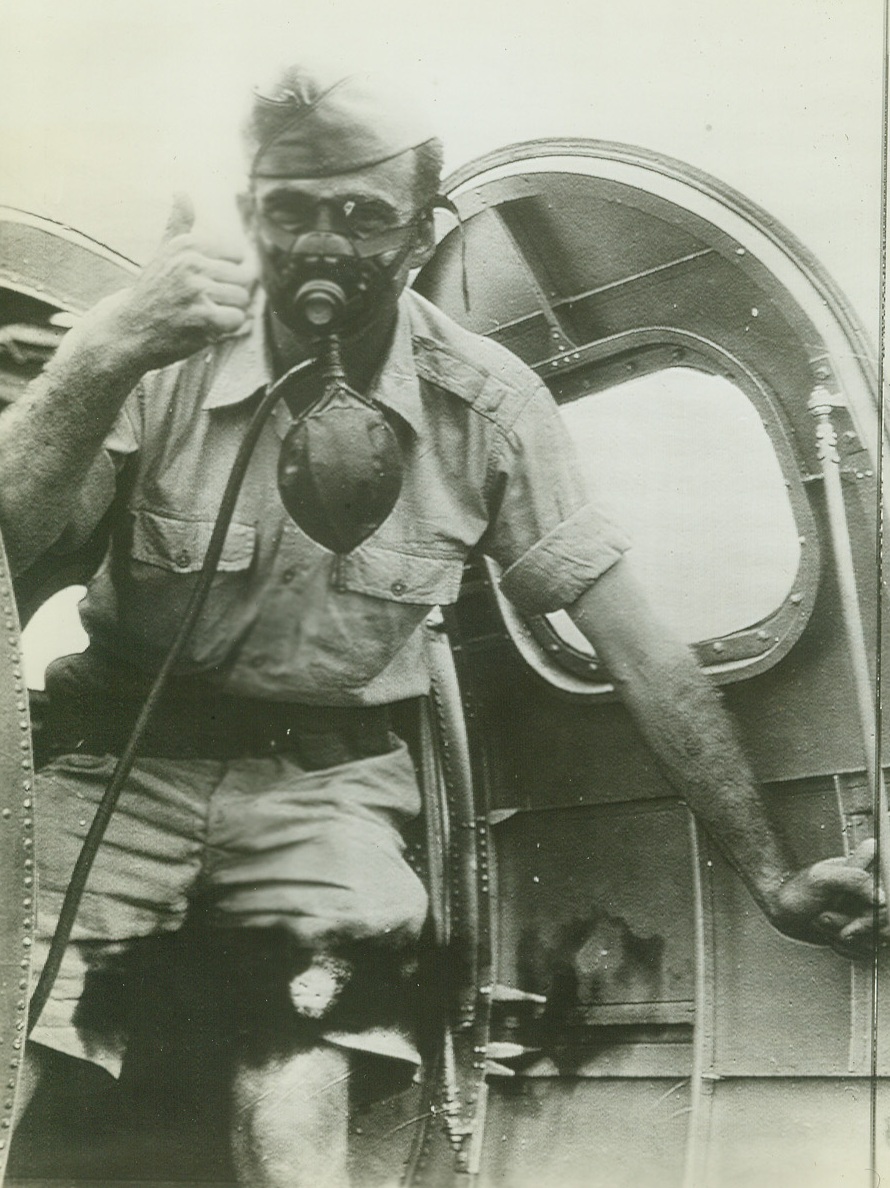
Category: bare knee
<point>290,1118</point>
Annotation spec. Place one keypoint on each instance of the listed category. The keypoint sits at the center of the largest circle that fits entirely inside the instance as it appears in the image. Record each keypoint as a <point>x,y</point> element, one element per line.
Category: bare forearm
<point>681,716</point>
<point>834,901</point>
<point>50,438</point>
<point>190,294</point>
<point>683,719</point>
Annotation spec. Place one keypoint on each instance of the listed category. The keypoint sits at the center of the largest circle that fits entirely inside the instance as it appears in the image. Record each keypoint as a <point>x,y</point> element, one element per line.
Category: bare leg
<point>40,1064</point>
<point>35,1060</point>
<point>290,1121</point>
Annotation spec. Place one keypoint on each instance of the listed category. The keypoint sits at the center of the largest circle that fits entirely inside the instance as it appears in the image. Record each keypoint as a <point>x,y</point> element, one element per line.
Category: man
<point>270,792</point>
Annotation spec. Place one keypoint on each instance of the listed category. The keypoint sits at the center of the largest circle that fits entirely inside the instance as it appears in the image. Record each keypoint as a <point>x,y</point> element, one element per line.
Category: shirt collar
<point>247,368</point>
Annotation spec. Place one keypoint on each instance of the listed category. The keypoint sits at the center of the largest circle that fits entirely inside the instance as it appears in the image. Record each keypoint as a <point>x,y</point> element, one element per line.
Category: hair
<point>428,161</point>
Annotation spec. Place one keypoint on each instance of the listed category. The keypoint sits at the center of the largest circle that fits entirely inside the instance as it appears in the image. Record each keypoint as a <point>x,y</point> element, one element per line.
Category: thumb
<point>181,218</point>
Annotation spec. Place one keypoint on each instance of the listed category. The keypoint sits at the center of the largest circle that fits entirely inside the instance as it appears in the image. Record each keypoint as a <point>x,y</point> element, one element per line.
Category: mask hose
<point>93,840</point>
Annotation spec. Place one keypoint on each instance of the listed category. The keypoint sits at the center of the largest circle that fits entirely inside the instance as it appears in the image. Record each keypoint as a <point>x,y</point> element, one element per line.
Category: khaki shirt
<point>488,464</point>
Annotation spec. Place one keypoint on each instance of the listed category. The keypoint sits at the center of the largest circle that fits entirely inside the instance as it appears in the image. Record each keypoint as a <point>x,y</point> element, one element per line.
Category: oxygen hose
<point>93,840</point>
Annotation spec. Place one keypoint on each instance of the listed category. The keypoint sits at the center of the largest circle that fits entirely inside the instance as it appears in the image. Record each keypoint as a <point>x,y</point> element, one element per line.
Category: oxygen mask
<point>340,467</point>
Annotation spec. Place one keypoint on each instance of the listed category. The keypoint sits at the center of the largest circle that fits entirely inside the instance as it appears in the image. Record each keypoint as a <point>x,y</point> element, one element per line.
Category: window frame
<point>581,373</point>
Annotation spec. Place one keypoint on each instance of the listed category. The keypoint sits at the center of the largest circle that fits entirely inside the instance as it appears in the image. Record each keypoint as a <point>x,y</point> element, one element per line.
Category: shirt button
<point>183,557</point>
<point>288,575</point>
<point>398,587</point>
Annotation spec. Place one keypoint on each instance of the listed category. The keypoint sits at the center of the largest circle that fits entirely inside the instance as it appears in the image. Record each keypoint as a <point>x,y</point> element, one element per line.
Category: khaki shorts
<point>260,843</point>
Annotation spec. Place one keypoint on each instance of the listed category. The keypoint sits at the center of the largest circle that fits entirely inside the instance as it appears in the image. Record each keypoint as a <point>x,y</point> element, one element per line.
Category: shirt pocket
<point>400,577</point>
<point>166,556</point>
<point>180,546</point>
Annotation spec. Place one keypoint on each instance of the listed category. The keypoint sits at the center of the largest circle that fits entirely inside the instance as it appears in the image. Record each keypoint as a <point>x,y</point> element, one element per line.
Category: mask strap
<point>442,202</point>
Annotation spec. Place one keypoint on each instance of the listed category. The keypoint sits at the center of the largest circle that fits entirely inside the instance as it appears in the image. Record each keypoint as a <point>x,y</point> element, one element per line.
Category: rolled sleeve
<point>546,533</point>
<point>97,490</point>
<point>560,567</point>
<point>122,438</point>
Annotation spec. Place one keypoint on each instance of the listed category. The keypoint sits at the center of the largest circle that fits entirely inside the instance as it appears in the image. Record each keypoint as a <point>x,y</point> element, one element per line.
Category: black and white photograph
<point>442,589</point>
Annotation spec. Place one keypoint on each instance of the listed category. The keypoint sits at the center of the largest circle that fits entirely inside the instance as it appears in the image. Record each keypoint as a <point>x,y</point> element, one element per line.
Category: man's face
<point>374,209</point>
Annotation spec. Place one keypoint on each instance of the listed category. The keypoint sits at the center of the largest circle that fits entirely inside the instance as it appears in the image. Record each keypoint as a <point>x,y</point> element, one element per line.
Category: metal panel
<point>587,1134</point>
<point>55,264</point>
<point>793,1134</point>
<point>16,856</point>
<point>596,914</point>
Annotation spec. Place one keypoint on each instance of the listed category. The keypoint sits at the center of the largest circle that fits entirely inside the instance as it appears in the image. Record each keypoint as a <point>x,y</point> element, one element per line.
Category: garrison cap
<point>306,126</point>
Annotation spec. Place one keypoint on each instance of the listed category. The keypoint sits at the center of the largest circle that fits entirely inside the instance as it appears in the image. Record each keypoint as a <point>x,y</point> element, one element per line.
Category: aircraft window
<point>681,459</point>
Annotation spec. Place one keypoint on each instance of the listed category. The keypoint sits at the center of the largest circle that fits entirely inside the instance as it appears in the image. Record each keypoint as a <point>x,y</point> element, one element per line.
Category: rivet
<point>796,598</point>
<point>26,804</point>
<point>28,881</point>
<point>7,814</point>
<point>26,940</point>
<point>27,843</point>
<point>26,763</point>
<point>718,646</point>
